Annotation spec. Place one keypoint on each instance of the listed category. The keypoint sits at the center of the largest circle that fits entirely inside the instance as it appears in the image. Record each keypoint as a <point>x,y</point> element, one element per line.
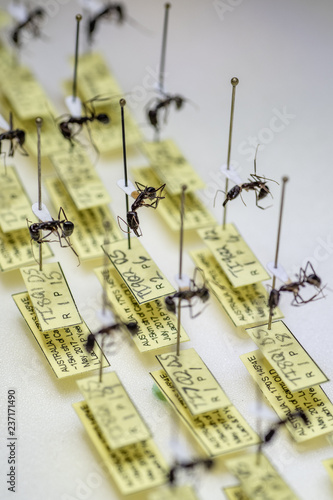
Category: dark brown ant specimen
<point>257,183</point>
<point>194,291</point>
<point>73,125</point>
<point>31,24</point>
<point>110,11</point>
<point>271,433</point>
<point>145,193</point>
<point>304,277</point>
<point>163,103</point>
<point>132,327</point>
<point>206,462</point>
<point>61,228</point>
<point>16,137</point>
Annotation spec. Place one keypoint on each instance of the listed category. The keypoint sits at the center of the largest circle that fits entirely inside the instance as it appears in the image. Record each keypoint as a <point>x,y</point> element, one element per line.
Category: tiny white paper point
<point>43,215</point>
<point>278,271</point>
<point>231,174</point>
<point>74,106</point>
<point>129,189</point>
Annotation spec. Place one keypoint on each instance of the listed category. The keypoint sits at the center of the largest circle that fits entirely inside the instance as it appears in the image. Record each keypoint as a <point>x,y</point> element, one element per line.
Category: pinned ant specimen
<point>207,463</point>
<point>73,125</point>
<point>144,193</point>
<point>16,137</point>
<point>61,228</point>
<point>305,276</point>
<point>132,326</point>
<point>110,11</point>
<point>271,433</point>
<point>31,24</point>
<point>163,103</point>
<point>257,183</point>
<point>194,291</point>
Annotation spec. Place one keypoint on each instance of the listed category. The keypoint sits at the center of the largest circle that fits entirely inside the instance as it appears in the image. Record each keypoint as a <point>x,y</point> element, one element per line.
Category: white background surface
<point>281,52</point>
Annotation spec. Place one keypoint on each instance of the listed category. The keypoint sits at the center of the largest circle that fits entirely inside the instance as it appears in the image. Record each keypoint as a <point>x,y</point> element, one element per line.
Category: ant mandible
<point>257,183</point>
<point>144,193</point>
<point>31,24</point>
<point>105,331</point>
<point>67,126</point>
<point>16,137</point>
<point>306,276</point>
<point>108,12</point>
<point>163,103</point>
<point>194,291</point>
<point>61,228</point>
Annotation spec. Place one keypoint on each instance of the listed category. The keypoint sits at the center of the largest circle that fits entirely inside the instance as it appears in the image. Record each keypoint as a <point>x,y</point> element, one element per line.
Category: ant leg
<point>218,191</point>
<point>240,194</point>
<point>257,199</point>
<point>62,211</point>
<point>127,232</point>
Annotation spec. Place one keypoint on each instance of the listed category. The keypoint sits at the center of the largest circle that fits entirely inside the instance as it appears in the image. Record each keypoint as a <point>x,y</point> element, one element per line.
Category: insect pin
<point>72,125</point>
<point>60,228</point>
<point>256,183</point>
<point>28,23</point>
<point>16,138</point>
<point>194,291</point>
<point>145,196</point>
<point>306,276</point>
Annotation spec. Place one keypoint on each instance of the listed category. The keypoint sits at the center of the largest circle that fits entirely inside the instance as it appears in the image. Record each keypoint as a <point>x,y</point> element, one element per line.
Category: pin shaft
<point>163,50</point>
<point>39,122</point>
<point>122,103</point>
<point>181,246</point>
<point>78,19</point>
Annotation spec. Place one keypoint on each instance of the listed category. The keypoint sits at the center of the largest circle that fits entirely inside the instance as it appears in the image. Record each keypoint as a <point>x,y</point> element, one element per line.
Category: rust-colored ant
<point>144,193</point>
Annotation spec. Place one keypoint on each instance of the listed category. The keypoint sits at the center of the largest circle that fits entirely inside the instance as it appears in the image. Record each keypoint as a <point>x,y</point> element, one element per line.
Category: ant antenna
<point>78,19</point>
<point>234,82</point>
<point>39,123</point>
<point>122,103</point>
<point>284,180</point>
<point>181,245</point>
<point>255,160</point>
<point>163,50</point>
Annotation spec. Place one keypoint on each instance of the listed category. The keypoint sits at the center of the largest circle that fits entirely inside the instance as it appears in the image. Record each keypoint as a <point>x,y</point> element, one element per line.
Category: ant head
<point>314,280</point>
<point>151,192</point>
<point>34,232</point>
<point>264,191</point>
<point>20,134</point>
<point>103,118</point>
<point>170,304</point>
<point>133,327</point>
<point>204,294</point>
<point>179,101</point>
<point>152,116</point>
<point>67,228</point>
<point>90,342</point>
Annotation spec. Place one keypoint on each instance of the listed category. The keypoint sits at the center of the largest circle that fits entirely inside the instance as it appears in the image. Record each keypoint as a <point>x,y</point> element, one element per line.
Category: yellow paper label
<point>196,214</point>
<point>64,348</point>
<point>89,232</point>
<point>133,468</point>
<point>244,305</point>
<point>328,464</point>
<point>156,328</point>
<point>80,178</point>
<point>138,271</point>
<point>8,63</point>
<point>219,431</point>
<point>113,410</point>
<point>286,355</point>
<point>17,250</point>
<point>235,493</point>
<point>25,95</point>
<point>171,167</point>
<point>233,255</point>
<point>174,493</point>
<point>50,296</point>
<point>195,383</point>
<point>52,140</point>
<point>260,480</point>
<point>313,401</point>
<point>15,206</point>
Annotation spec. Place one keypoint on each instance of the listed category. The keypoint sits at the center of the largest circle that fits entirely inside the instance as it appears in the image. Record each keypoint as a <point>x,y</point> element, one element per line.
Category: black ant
<point>31,24</point>
<point>110,11</point>
<point>297,414</point>
<point>163,103</point>
<point>257,183</point>
<point>61,228</point>
<point>202,293</point>
<point>144,193</point>
<point>67,127</point>
<point>132,326</point>
<point>206,462</point>
<point>294,287</point>
<point>16,137</point>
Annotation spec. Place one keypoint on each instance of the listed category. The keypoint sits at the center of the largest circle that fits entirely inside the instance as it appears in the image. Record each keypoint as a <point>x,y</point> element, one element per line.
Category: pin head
<point>234,81</point>
<point>39,121</point>
<point>78,17</point>
<point>122,102</point>
<point>285,179</point>
<point>167,5</point>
